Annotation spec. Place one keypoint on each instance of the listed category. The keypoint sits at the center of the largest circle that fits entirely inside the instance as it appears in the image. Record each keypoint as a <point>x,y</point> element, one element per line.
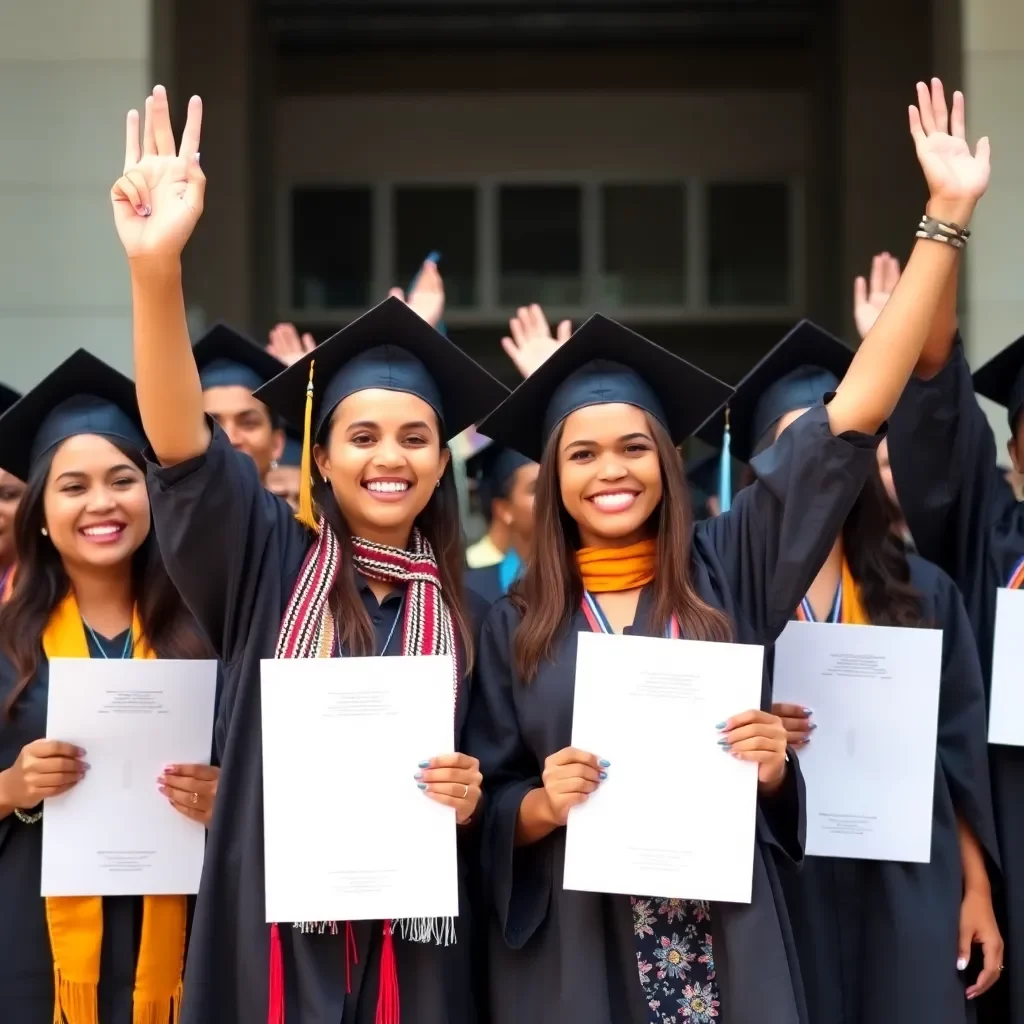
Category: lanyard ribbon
<point>1017,576</point>
<point>805,613</point>
<point>598,621</point>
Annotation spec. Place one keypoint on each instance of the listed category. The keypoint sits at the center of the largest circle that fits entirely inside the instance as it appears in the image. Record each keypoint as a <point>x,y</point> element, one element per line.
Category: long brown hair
<point>551,589</point>
<point>439,523</point>
<point>41,583</point>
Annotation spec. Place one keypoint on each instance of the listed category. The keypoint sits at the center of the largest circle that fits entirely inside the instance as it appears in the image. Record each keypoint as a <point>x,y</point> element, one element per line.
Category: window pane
<point>644,245</point>
<point>331,248</point>
<point>540,244</point>
<point>441,219</point>
<point>749,245</point>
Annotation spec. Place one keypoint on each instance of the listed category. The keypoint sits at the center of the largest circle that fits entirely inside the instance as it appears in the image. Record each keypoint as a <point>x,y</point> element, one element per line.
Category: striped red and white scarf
<point>309,630</point>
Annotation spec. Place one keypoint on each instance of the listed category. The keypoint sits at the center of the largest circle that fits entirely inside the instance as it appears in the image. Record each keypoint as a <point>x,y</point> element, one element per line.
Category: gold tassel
<point>306,515</point>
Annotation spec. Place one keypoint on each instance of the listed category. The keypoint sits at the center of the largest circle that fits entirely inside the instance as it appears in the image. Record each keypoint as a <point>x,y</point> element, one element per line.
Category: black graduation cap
<point>227,358</point>
<point>389,347</point>
<point>493,467</point>
<point>796,374</point>
<point>703,473</point>
<point>8,396</point>
<point>83,395</point>
<point>1002,379</point>
<point>604,362</point>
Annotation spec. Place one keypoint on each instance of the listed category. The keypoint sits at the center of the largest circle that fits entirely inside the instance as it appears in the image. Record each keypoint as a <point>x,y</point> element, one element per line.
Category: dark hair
<point>439,522</point>
<point>41,583</point>
<point>874,550</point>
<point>551,588</point>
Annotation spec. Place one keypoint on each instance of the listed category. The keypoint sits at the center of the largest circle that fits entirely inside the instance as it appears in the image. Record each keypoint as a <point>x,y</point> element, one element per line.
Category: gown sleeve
<point>518,878</point>
<point>782,817</point>
<point>963,723</point>
<point>780,529</point>
<point>218,527</point>
<point>943,458</point>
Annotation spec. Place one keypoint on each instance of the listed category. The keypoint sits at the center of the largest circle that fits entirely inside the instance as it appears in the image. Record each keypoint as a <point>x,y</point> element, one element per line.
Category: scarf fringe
<point>440,930</point>
<point>74,1002</point>
<point>158,1012</point>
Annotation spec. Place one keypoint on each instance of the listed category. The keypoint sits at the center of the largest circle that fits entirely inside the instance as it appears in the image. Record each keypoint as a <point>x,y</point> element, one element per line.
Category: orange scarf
<point>852,612</point>
<point>610,569</point>
<point>76,922</point>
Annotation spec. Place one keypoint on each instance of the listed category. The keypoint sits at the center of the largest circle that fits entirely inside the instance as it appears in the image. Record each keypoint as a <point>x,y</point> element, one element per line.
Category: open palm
<point>159,198</point>
<point>940,137</point>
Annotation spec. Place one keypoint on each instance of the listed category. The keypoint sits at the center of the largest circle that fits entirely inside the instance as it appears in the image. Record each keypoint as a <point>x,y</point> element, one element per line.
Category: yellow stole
<point>612,569</point>
<point>76,922</point>
<point>852,612</point>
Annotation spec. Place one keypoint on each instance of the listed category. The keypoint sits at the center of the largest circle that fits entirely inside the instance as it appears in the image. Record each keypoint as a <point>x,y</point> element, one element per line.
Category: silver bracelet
<point>28,819</point>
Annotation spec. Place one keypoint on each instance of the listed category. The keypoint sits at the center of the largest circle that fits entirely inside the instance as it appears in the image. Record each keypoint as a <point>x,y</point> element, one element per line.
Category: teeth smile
<point>101,531</point>
<point>614,502</point>
<point>387,486</point>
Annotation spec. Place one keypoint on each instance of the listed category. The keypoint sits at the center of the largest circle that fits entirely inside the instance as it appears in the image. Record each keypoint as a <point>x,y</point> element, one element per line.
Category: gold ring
<point>195,799</point>
<point>465,791</point>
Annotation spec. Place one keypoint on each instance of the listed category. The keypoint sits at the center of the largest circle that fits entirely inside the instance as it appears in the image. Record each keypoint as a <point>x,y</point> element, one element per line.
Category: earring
<point>438,484</point>
<point>45,532</point>
<point>273,464</point>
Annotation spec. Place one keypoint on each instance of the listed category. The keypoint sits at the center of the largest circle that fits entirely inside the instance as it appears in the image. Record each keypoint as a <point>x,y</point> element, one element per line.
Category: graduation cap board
<point>392,348</point>
<point>292,455</point>
<point>796,374</point>
<point>493,467</point>
<point>604,362</point>
<point>84,395</point>
<point>1001,379</point>
<point>226,358</point>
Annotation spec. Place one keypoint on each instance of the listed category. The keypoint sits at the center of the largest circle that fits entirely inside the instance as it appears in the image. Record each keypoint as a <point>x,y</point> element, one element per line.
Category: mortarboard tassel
<point>725,468</point>
<point>387,994</point>
<point>305,515</point>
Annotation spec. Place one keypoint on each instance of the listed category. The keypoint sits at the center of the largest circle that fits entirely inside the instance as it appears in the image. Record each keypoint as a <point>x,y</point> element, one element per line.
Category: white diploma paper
<point>676,816</point>
<point>114,834</point>
<point>870,765</point>
<point>1006,702</point>
<point>347,834</point>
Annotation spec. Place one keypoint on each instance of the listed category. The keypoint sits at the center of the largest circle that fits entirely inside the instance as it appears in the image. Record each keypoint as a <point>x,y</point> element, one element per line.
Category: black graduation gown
<point>878,940</point>
<point>965,518</point>
<point>234,551</point>
<point>26,960</point>
<point>569,956</point>
<point>485,581</point>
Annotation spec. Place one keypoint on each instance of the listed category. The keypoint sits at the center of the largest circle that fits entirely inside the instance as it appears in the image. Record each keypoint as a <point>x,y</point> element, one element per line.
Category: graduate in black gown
<point>286,473</point>
<point>231,368</point>
<point>506,482</point>
<point>88,582</point>
<point>374,567</point>
<point>878,939</point>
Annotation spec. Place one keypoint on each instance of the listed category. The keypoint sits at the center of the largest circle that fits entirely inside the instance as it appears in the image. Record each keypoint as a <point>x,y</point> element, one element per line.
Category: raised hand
<point>191,789</point>
<point>286,345</point>
<point>532,341</point>
<point>158,200</point>
<point>569,777</point>
<point>956,177</point>
<point>868,302</point>
<point>426,296</point>
<point>453,780</point>
<point>44,768</point>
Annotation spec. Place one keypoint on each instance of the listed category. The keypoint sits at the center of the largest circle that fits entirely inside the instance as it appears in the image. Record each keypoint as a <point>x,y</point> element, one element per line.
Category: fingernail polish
<point>80,752</point>
<point>723,743</point>
<point>814,725</point>
<point>160,779</point>
<point>162,790</point>
<point>424,764</point>
<point>602,775</point>
<point>961,964</point>
<point>421,785</point>
<point>418,775</point>
<point>808,711</point>
<point>168,769</point>
<point>604,764</point>
<point>85,767</point>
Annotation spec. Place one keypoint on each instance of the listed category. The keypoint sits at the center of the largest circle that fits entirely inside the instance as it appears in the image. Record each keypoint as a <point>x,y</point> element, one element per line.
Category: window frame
<point>696,310</point>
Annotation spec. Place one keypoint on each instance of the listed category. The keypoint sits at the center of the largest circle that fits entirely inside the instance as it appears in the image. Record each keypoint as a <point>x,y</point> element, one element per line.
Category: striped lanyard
<point>805,613</point>
<point>598,621</point>
<point>1017,576</point>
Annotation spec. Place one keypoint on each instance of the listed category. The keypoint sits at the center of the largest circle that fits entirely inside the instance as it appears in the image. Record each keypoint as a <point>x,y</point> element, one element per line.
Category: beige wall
<point>993,59</point>
<point>69,71</point>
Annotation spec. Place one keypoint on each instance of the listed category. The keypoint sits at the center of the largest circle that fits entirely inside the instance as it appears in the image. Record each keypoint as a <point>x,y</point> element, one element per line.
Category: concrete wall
<point>993,296</point>
<point>69,71</point>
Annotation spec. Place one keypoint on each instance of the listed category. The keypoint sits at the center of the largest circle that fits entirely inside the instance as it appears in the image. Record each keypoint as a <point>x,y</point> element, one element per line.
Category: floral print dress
<point>675,960</point>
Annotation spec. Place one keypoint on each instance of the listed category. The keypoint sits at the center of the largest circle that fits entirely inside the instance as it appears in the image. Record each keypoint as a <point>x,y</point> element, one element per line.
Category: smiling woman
<point>88,582</point>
